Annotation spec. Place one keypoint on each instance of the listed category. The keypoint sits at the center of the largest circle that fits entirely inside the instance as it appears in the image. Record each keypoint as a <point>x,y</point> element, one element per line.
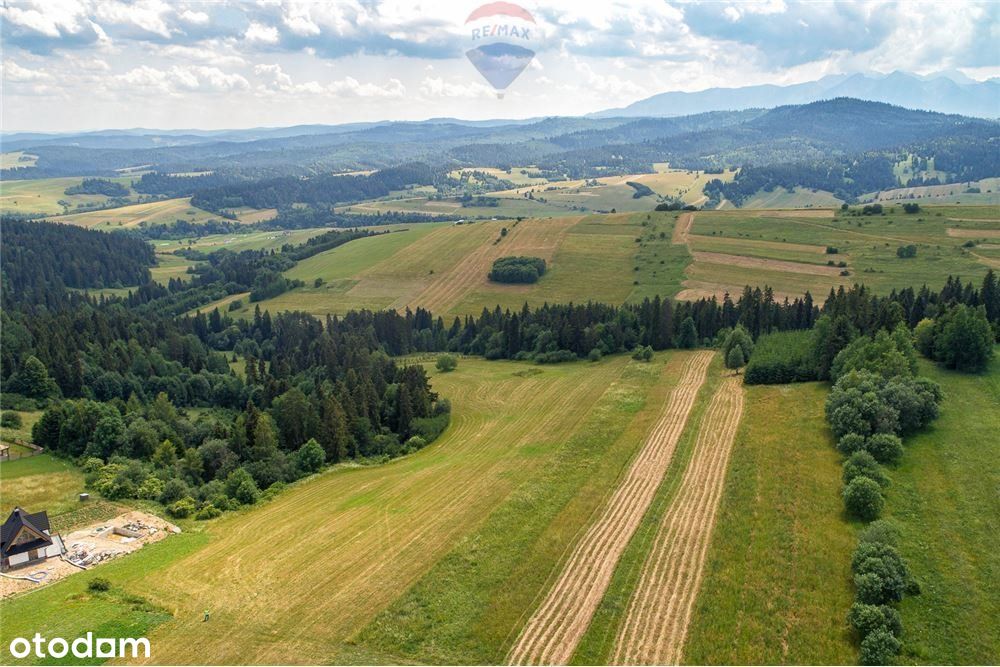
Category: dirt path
<point>555,629</point>
<point>658,614</point>
<point>682,228</point>
<point>762,263</point>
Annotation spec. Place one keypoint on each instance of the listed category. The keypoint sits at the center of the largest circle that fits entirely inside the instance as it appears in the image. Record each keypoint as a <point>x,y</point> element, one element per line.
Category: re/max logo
<point>82,647</point>
<point>501,30</point>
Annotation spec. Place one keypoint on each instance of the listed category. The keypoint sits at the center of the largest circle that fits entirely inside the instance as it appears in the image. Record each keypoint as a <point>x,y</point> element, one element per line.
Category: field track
<point>974,233</point>
<point>682,228</point>
<point>553,632</point>
<point>656,621</point>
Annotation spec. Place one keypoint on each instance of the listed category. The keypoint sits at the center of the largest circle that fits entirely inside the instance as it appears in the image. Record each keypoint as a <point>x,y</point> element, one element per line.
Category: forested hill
<point>38,260</point>
<point>575,146</point>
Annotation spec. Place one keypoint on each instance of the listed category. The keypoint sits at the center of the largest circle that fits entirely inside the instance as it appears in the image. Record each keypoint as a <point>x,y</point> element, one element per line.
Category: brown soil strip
<point>553,632</point>
<point>975,219</point>
<point>762,263</point>
<point>974,233</point>
<point>659,612</point>
<point>682,228</point>
<point>797,213</point>
<point>536,238</point>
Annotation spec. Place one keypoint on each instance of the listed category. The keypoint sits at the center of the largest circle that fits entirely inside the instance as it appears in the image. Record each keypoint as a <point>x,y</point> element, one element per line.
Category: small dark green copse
<point>517,270</point>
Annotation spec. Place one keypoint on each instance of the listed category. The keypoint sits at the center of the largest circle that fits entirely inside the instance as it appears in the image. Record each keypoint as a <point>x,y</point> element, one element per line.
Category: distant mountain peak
<point>946,92</point>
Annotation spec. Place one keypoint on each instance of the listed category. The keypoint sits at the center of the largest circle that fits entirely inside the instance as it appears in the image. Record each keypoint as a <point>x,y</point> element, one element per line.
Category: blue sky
<point>88,64</point>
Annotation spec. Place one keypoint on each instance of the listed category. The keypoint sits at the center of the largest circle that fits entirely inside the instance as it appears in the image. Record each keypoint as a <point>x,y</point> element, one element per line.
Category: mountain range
<point>946,92</point>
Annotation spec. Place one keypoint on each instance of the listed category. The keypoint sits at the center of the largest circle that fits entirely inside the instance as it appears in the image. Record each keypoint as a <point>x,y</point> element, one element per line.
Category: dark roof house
<point>26,538</point>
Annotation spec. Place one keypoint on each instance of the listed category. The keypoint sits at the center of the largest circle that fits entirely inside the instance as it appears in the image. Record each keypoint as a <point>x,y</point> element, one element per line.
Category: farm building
<point>25,539</point>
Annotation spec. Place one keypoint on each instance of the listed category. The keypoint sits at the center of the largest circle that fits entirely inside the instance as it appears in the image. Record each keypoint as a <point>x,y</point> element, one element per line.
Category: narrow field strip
<point>762,263</point>
<point>682,228</point>
<point>555,629</point>
<point>659,611</point>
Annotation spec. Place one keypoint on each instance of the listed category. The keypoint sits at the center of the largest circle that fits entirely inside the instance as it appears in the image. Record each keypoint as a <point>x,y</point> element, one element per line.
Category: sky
<point>71,65</point>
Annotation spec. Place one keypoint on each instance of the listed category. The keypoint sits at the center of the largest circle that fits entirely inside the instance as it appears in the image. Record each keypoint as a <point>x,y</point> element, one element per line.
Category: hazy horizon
<point>71,66</point>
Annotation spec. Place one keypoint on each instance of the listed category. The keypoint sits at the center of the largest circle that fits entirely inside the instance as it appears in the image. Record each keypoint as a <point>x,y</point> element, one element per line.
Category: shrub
<point>207,511</point>
<point>885,447</point>
<point>863,464</point>
<point>866,618</point>
<point>851,443</point>
<point>643,353</point>
<point>863,498</point>
<point>879,648</point>
<point>964,340</point>
<point>446,363</point>
<point>879,532</point>
<point>10,419</point>
<point>247,492</point>
<point>183,508</point>
<point>595,354</point>
<point>734,359</point>
<point>99,585</point>
<point>414,444</point>
<point>880,573</point>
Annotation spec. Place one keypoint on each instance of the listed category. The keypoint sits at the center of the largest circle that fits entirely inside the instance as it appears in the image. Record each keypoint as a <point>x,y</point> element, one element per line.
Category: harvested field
<point>659,612</point>
<point>683,227</point>
<point>536,238</point>
<point>797,213</point>
<point>555,629</point>
<point>974,233</point>
<point>762,263</point>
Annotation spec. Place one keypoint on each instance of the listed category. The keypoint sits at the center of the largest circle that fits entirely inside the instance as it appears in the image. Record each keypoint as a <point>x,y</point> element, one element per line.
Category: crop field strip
<point>537,238</point>
<point>552,633</point>
<point>375,552</point>
<point>655,625</point>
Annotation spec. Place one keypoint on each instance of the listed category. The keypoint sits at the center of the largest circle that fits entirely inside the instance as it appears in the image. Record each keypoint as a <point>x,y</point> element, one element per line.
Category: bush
<point>183,508</point>
<point>879,532</point>
<point>207,511</point>
<point>99,585</point>
<point>885,447</point>
<point>247,492</point>
<point>866,618</point>
<point>879,648</point>
<point>310,457</point>
<point>643,353</point>
<point>517,270</point>
<point>863,498</point>
<point>595,354</point>
<point>10,419</point>
<point>734,359</point>
<point>863,464</point>
<point>446,363</point>
<point>880,573</point>
<point>851,443</point>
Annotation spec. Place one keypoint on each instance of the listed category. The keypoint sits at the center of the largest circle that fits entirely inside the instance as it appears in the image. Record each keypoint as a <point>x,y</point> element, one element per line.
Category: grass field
<point>777,580</point>
<point>162,212</point>
<point>944,498</point>
<point>798,198</point>
<point>867,244</point>
<point>42,195</point>
<point>17,160</point>
<point>364,535</point>
<point>40,482</point>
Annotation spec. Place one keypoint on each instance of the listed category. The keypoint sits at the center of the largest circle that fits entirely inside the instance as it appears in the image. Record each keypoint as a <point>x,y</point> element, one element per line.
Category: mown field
<point>162,212</point>
<point>44,194</point>
<point>365,535</point>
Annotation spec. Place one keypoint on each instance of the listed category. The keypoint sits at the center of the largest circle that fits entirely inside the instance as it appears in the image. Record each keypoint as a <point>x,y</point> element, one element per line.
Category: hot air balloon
<point>501,34</point>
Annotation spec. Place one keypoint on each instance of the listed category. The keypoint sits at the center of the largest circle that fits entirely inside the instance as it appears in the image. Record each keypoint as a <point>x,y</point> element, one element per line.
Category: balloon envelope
<point>500,63</point>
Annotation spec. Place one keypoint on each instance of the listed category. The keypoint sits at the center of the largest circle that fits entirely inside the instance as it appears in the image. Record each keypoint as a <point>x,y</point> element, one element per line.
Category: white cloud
<point>262,34</point>
<point>211,54</point>
<point>15,73</point>
<point>146,15</point>
<point>179,79</point>
<point>196,18</point>
<point>51,18</point>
